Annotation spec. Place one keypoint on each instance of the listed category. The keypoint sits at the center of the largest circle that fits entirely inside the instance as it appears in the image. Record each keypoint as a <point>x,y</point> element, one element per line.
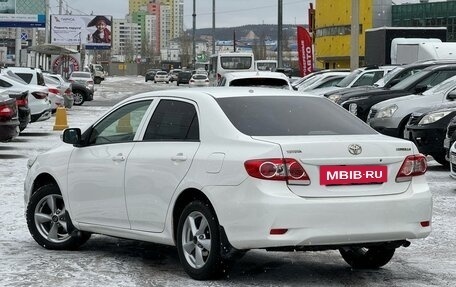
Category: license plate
<point>353,174</point>
<point>446,143</point>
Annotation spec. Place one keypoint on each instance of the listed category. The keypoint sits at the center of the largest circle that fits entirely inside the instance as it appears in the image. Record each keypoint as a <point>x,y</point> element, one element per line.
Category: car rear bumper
<point>44,115</point>
<point>248,214</point>
<point>9,131</point>
<point>386,126</point>
<point>429,140</point>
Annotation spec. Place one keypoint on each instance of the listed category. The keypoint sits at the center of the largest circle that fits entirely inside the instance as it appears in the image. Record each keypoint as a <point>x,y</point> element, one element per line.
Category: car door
<point>159,162</point>
<point>96,171</point>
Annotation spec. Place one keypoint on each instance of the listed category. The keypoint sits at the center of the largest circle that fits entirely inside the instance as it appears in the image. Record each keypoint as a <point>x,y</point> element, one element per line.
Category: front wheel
<point>367,258</point>
<point>49,223</point>
<point>198,242</point>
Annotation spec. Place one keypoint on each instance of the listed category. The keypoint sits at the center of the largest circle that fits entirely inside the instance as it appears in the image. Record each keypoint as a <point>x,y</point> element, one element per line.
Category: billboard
<point>92,31</point>
<point>23,13</point>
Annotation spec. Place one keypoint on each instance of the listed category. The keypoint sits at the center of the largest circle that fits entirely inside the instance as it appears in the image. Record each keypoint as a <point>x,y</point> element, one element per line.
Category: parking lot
<point>107,261</point>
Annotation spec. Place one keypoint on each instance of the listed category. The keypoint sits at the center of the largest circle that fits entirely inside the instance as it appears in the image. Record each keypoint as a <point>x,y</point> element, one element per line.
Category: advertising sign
<point>65,64</point>
<point>92,31</point>
<point>305,54</point>
<point>23,13</point>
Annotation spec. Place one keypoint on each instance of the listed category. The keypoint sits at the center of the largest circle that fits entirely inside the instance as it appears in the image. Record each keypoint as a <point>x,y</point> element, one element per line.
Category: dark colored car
<point>428,128</point>
<point>450,136</point>
<point>9,119</point>
<point>150,74</point>
<point>359,103</point>
<point>183,77</point>
<point>81,93</point>
<point>23,108</point>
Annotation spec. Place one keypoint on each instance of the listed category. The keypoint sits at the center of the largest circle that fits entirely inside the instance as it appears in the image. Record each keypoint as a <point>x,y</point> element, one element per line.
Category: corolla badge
<point>354,149</point>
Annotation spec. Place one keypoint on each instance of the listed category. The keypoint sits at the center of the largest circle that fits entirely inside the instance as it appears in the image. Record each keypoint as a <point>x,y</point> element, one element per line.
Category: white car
<point>390,116</point>
<point>322,80</point>
<point>215,173</point>
<point>199,80</point>
<point>161,76</point>
<point>256,79</point>
<point>54,94</point>
<point>38,101</point>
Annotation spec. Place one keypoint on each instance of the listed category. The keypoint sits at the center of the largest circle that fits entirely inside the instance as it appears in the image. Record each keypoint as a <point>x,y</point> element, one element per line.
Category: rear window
<point>260,82</point>
<point>199,77</point>
<point>290,116</point>
<point>81,75</point>
<point>26,77</point>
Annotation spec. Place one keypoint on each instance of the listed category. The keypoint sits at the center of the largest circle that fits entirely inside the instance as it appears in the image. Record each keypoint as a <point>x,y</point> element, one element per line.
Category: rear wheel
<point>367,258</point>
<point>49,223</point>
<point>78,98</point>
<point>198,242</point>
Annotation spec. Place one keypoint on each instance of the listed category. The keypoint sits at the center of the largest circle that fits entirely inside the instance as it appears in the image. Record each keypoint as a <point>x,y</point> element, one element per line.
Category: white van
<point>409,53</point>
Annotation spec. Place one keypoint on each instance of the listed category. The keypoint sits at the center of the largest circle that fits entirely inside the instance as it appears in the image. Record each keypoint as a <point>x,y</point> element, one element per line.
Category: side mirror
<point>452,95</point>
<point>420,88</point>
<point>72,136</point>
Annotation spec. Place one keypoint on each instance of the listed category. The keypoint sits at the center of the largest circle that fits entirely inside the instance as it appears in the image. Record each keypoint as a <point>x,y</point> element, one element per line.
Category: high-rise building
<point>126,38</point>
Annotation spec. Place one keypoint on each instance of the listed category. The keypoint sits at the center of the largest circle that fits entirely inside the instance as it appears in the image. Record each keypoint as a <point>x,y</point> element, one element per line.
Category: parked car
<point>54,95</point>
<point>256,79</point>
<point>322,81</point>
<point>299,81</point>
<point>364,76</point>
<point>199,80</point>
<point>417,83</point>
<point>452,160</point>
<point>390,79</point>
<point>150,74</point>
<point>331,183</point>
<point>38,102</point>
<point>450,138</point>
<point>23,109</point>
<point>183,77</point>
<point>29,75</point>
<point>65,88</point>
<point>173,74</point>
<point>82,87</point>
<point>9,119</point>
<point>390,116</point>
<point>427,129</point>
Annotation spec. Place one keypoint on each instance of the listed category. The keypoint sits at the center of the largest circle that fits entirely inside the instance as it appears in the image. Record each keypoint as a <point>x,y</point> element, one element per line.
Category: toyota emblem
<point>355,149</point>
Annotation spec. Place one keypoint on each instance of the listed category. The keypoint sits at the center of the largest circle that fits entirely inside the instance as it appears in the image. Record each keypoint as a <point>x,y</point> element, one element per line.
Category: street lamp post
<point>279,35</point>
<point>194,32</point>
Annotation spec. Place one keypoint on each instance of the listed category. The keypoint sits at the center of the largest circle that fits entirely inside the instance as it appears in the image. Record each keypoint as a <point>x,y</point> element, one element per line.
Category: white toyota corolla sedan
<point>219,171</point>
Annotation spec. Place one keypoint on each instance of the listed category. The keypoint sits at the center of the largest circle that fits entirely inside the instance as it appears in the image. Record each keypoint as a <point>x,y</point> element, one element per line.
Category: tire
<point>367,258</point>
<point>177,83</point>
<point>97,80</point>
<point>167,82</point>
<point>155,82</point>
<point>440,158</point>
<point>49,223</point>
<point>78,97</point>
<point>200,255</point>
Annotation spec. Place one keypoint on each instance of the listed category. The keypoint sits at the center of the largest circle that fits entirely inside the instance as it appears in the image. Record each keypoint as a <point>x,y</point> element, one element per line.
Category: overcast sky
<point>229,13</point>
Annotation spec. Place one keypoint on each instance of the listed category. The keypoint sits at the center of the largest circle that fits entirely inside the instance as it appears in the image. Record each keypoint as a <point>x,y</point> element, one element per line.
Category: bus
<point>230,62</point>
<point>265,65</point>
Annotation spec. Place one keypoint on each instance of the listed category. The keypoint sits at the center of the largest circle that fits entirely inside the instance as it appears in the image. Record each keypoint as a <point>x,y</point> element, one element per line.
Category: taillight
<point>192,81</point>
<point>218,77</point>
<point>40,95</point>
<point>6,112</point>
<point>90,82</point>
<point>22,102</point>
<point>284,169</point>
<point>54,91</point>
<point>413,165</point>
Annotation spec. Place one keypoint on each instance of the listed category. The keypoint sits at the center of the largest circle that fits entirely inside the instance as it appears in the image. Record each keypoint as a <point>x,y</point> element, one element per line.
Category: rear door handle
<point>179,157</point>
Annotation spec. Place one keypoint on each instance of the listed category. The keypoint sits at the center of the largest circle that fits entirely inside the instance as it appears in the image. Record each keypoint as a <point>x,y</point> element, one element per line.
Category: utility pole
<point>354,35</point>
<point>279,35</point>
<point>213,26</point>
<point>194,34</point>
<point>60,7</point>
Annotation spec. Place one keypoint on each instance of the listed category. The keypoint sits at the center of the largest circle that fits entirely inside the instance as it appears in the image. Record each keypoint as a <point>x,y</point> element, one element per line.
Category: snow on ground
<point>106,261</point>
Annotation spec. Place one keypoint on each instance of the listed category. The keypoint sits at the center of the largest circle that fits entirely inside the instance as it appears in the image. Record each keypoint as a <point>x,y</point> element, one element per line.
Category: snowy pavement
<point>107,261</point>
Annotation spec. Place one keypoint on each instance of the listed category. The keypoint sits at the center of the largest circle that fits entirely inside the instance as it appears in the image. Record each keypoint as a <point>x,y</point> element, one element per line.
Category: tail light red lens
<point>6,112</point>
<point>40,95</point>
<point>90,82</point>
<point>283,169</point>
<point>413,165</point>
<point>54,91</point>
<point>22,102</point>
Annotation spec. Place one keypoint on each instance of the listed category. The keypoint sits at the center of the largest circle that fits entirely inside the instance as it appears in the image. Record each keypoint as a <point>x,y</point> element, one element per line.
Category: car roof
<point>259,74</point>
<point>219,92</point>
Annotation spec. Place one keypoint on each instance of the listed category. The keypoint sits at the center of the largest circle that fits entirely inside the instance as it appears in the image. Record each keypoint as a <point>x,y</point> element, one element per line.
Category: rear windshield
<point>199,77</point>
<point>290,116</point>
<point>260,82</point>
<point>81,75</point>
